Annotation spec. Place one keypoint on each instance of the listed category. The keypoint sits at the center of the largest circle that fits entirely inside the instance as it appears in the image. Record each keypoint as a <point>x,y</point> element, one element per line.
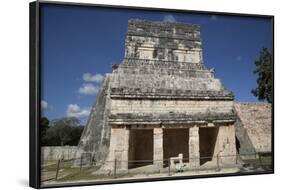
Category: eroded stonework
<point>161,92</point>
<point>253,127</point>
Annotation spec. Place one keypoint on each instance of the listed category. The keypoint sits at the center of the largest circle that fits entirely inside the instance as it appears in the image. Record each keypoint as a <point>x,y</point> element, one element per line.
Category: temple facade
<point>161,105</point>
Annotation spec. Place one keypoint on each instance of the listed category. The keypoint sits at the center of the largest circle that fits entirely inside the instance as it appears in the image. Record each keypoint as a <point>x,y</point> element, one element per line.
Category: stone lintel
<point>120,124</point>
<point>210,125</point>
<point>117,123</point>
<point>152,125</point>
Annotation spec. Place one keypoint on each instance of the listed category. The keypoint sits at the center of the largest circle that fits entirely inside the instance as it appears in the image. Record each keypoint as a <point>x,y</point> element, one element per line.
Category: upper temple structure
<point>161,104</point>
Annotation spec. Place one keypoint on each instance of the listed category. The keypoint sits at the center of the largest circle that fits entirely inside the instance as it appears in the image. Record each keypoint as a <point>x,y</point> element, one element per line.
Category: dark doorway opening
<point>140,148</point>
<point>237,143</point>
<point>175,142</point>
<point>207,142</point>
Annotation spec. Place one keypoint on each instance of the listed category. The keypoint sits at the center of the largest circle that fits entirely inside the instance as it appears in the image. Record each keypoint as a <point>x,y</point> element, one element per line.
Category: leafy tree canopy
<point>264,70</point>
<point>44,124</point>
<point>60,132</point>
<point>69,121</point>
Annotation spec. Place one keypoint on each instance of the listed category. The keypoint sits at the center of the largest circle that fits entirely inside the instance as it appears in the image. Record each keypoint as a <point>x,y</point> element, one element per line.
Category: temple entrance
<point>175,142</point>
<point>207,142</point>
<point>237,143</point>
<point>140,148</point>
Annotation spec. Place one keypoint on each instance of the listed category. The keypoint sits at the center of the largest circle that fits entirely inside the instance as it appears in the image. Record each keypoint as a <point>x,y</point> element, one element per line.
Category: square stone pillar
<point>158,147</point>
<point>194,154</point>
<point>125,154</point>
<point>118,150</point>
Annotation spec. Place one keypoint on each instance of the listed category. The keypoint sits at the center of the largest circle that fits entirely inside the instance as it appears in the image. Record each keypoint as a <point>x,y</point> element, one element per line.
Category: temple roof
<point>165,60</point>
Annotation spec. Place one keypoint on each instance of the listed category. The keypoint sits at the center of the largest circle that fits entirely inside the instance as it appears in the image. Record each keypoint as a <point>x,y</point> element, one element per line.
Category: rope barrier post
<point>115,165</point>
<point>81,162</point>
<point>259,155</point>
<point>218,162</point>
<point>169,164</point>
<point>58,169</point>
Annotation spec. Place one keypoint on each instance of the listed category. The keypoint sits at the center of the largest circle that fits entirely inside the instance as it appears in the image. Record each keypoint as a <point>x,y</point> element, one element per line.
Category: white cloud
<point>44,104</point>
<point>73,110</point>
<point>213,17</point>
<point>88,89</point>
<point>239,58</point>
<point>169,18</point>
<point>88,77</point>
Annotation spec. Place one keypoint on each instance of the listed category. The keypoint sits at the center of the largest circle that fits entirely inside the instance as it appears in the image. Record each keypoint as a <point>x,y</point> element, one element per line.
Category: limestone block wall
<point>224,152</point>
<point>160,41</point>
<point>118,149</point>
<point>58,152</point>
<point>167,81</point>
<point>244,145</point>
<point>148,51</point>
<point>167,106</point>
<point>225,145</point>
<point>96,135</point>
<point>253,128</point>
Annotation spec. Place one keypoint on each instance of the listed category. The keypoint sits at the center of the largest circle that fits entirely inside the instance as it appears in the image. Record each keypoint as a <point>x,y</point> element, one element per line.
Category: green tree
<point>75,135</point>
<point>264,69</point>
<point>44,126</point>
<point>63,131</point>
<point>69,121</point>
<point>63,127</point>
<point>52,137</point>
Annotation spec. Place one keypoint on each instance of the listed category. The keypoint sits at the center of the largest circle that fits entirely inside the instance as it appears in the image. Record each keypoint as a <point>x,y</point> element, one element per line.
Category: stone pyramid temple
<point>161,104</point>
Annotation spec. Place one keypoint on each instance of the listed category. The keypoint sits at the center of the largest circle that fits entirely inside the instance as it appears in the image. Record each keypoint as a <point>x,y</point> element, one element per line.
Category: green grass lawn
<point>86,174</point>
<point>50,167</point>
<point>74,173</point>
<point>68,173</point>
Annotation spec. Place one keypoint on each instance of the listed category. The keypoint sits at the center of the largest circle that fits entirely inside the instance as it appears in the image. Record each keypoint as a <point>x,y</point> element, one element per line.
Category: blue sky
<point>79,45</point>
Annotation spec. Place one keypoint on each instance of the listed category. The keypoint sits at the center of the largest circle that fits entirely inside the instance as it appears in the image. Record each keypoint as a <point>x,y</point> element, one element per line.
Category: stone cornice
<point>136,93</point>
<point>171,118</point>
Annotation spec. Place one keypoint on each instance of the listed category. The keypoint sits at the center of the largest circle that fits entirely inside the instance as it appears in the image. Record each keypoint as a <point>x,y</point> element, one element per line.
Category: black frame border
<point>35,94</point>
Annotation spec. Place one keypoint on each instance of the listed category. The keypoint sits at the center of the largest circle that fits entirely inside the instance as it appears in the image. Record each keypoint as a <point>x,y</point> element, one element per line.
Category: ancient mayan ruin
<point>253,128</point>
<point>162,103</point>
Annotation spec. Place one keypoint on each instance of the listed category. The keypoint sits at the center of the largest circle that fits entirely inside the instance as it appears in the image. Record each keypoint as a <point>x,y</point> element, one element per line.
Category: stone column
<point>194,154</point>
<point>118,150</point>
<point>158,147</point>
<point>125,154</point>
